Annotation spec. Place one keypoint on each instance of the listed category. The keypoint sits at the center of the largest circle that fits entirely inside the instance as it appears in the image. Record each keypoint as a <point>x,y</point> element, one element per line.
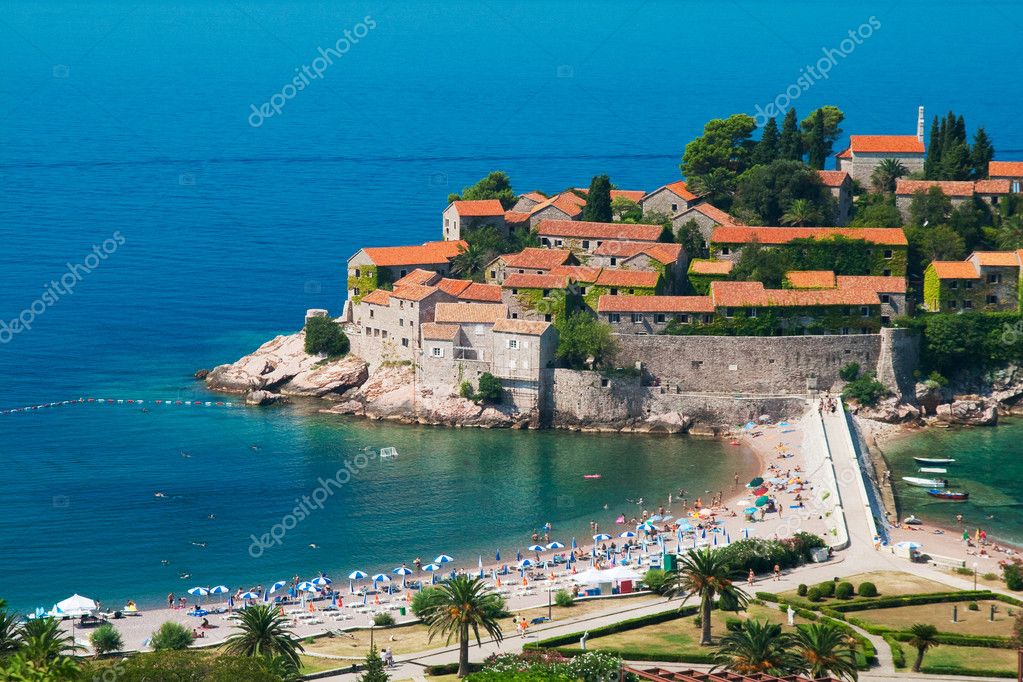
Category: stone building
<point>564,206</point>
<point>668,259</point>
<point>986,280</point>
<point>476,322</point>
<point>527,202</point>
<point>668,200</point>
<point>584,237</point>
<point>890,290</point>
<point>865,152</point>
<point>703,271</point>
<point>958,191</point>
<point>839,183</point>
<point>468,291</point>
<point>540,297</point>
<point>384,325</point>
<point>707,217</point>
<point>461,217</point>
<point>1007,170</point>
<point>523,359</point>
<point>531,260</point>
<point>373,267</point>
<point>652,314</point>
<point>799,311</point>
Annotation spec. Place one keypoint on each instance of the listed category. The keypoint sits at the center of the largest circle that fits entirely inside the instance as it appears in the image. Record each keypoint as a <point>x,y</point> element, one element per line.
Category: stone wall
<point>898,358</point>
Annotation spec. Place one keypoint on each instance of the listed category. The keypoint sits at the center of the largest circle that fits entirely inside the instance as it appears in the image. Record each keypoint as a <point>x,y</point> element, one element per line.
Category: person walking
<point>777,573</point>
<point>750,578</point>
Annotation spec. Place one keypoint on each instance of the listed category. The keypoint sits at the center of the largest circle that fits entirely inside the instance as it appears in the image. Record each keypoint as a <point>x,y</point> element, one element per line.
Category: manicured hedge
<point>911,600</point>
<point>898,653</point>
<point>962,640</point>
<point>620,626</point>
<point>450,668</point>
<point>956,670</point>
<point>640,655</point>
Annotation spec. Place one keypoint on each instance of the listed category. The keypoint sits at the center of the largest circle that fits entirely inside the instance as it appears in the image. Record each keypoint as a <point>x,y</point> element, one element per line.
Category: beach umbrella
<point>322,581</point>
<point>198,591</point>
<point>277,585</point>
<point>526,563</point>
<point>535,548</point>
<point>750,510</point>
<point>497,555</point>
<point>306,587</point>
<point>762,500</point>
<point>402,570</point>
<point>627,534</point>
<point>600,537</point>
<point>703,534</point>
<point>518,555</point>
<point>356,575</point>
<point>758,481</point>
<point>555,545</point>
<point>381,578</point>
<point>760,491</point>
<point>432,568</point>
<point>219,589</point>
<point>479,564</point>
<point>745,533</point>
<point>443,559</point>
<point>248,595</point>
<point>574,545</point>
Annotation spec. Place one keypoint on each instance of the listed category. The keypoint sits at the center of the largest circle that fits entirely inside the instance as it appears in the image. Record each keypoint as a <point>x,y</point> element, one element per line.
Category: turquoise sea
<point>131,121</point>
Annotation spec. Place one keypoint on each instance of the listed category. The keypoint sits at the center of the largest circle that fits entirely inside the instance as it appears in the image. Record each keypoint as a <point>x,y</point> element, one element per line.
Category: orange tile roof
<point>995,258</point>
<point>413,292</point>
<point>734,234</point>
<point>534,196</point>
<point>515,217</point>
<point>681,189</point>
<point>453,287</point>
<point>1005,168</point>
<point>954,269</point>
<point>811,279</point>
<point>480,208</point>
<point>417,276</point>
<point>714,213</point>
<point>533,281</point>
<point>703,266</point>
<point>430,253</point>
<point>610,277</point>
<point>484,293</point>
<point>587,230</point>
<point>879,284</point>
<point>951,188</point>
<point>630,194</point>
<point>377,297</point>
<point>534,258</point>
<point>482,313</point>
<point>754,295</point>
<point>439,332</point>
<point>992,186</point>
<point>568,202</point>
<point>525,327</point>
<point>890,144</point>
<point>654,304</point>
<point>833,178</point>
<point>664,253</point>
<point>579,273</point>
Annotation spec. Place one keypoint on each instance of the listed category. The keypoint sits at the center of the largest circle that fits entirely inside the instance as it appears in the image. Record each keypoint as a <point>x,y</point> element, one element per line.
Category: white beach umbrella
<point>219,589</point>
<point>249,595</point>
<point>431,567</point>
<point>526,563</point>
<point>402,570</point>
<point>555,545</point>
<point>322,581</point>
<point>356,575</point>
<point>75,605</point>
<point>306,587</point>
<point>277,585</point>
<point>381,578</point>
<point>600,537</point>
<point>443,559</point>
<point>627,534</point>
<point>198,591</point>
<point>535,548</point>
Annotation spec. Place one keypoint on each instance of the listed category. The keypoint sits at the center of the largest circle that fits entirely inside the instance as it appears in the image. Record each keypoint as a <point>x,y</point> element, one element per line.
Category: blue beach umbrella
<point>526,563</point>
<point>219,589</point>
<point>322,581</point>
<point>381,578</point>
<point>535,548</point>
<point>600,537</point>
<point>248,595</point>
<point>353,576</point>
<point>432,568</point>
<point>703,534</point>
<point>497,555</point>
<point>443,559</point>
<point>402,570</point>
<point>277,585</point>
<point>306,587</point>
<point>627,534</point>
<point>745,533</point>
<point>574,545</point>
<point>555,545</point>
<point>480,564</point>
<point>518,555</point>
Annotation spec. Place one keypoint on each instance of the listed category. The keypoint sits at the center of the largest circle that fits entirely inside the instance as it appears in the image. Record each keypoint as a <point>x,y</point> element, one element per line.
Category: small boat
<point>933,470</point>
<point>955,495</point>
<point>591,475</point>
<point>925,482</point>
<point>926,461</point>
<point>388,452</point>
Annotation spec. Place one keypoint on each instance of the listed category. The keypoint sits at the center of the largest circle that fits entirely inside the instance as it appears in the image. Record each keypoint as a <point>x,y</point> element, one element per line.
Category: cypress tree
<point>960,129</point>
<point>766,150</point>
<point>598,200</point>
<point>790,144</point>
<point>950,133</point>
<point>818,146</point>
<point>933,161</point>
<point>981,154</point>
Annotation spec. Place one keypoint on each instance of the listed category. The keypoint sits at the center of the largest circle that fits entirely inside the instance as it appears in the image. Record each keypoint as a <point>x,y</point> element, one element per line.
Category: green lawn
<point>940,616</point>
<point>966,657</point>
<point>888,583</point>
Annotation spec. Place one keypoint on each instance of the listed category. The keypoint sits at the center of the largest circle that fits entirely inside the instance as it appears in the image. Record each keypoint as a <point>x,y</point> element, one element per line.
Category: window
<point>546,293</point>
<point>674,208</point>
<point>515,316</point>
<point>402,273</point>
<point>586,243</point>
<point>637,318</point>
<point>447,221</point>
<point>992,299</point>
<point>967,304</point>
<point>954,284</point>
<point>631,292</point>
<point>356,291</point>
<point>437,352</point>
<point>547,317</point>
<point>845,331</point>
<point>521,271</point>
<point>953,304</point>
<point>401,322</point>
<point>371,312</point>
<point>885,298</point>
<point>967,285</point>
<point>659,318</point>
<point>886,320</point>
<point>515,292</point>
<point>545,241</point>
<point>493,274</point>
<point>994,278</point>
<point>404,342</point>
<point>707,319</point>
<point>729,312</point>
<point>614,318</point>
<point>887,254</point>
<point>558,242</point>
<point>725,251</point>
<point>886,273</point>
<point>513,344</point>
<point>614,261</point>
<point>401,304</point>
<point>684,319</point>
<point>358,273</point>
<point>864,330</point>
<point>865,311</point>
<point>1016,187</point>
<point>752,312</point>
<point>383,333</point>
<point>614,291</point>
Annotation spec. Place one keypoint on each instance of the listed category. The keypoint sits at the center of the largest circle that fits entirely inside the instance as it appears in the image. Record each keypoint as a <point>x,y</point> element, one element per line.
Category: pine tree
<point>598,200</point>
<point>933,161</point>
<point>960,129</point>
<point>374,668</point>
<point>981,154</point>
<point>818,147</point>
<point>766,150</point>
<point>790,144</point>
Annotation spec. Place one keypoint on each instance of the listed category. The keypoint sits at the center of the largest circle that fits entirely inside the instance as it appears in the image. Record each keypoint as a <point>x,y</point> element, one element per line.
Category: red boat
<point>954,495</point>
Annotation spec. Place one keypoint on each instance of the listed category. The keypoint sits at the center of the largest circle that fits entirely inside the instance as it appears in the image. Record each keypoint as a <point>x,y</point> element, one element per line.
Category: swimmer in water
<point>165,562</point>
<point>185,576</point>
<point>159,494</point>
<point>313,545</point>
<point>211,517</point>
<point>199,544</point>
<point>253,447</point>
<point>185,454</point>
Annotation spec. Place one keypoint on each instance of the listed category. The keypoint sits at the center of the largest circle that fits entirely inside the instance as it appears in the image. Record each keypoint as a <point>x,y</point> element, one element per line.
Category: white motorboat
<point>933,470</point>
<point>925,482</point>
<point>928,461</point>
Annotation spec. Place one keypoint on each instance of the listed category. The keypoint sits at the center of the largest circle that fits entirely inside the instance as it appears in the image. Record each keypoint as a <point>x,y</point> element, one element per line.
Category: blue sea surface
<point>130,121</point>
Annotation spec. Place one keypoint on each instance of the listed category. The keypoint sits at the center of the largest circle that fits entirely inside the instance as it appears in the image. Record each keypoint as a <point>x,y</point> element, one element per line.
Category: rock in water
<point>263,398</point>
<point>201,373</point>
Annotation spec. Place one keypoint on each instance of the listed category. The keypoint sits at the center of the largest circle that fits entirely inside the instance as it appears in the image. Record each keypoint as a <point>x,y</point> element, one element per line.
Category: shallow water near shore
<point>988,465</point>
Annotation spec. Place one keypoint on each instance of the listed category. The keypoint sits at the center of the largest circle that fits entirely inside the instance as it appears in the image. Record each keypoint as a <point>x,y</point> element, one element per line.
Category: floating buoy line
<point>122,401</point>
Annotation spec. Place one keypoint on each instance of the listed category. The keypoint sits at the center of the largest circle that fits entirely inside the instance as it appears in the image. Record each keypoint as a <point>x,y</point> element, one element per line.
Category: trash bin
<point>401,610</point>
<point>670,562</point>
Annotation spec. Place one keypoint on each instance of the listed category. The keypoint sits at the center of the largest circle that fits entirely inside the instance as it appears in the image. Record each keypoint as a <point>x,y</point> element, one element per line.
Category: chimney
<point>920,124</point>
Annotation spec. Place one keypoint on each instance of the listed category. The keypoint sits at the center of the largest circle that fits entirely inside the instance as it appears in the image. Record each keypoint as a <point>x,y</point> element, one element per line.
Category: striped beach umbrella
<point>535,548</point>
<point>198,591</point>
<point>219,589</point>
<point>600,537</point>
<point>555,545</point>
<point>443,559</point>
<point>248,595</point>
<point>627,534</point>
<point>322,581</point>
<point>381,578</point>
<point>277,586</point>
<point>402,570</point>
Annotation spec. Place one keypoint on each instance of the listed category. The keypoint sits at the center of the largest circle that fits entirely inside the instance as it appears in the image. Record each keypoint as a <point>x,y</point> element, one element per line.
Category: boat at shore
<point>933,470</point>
<point>925,482</point>
<point>927,461</point>
<point>954,495</point>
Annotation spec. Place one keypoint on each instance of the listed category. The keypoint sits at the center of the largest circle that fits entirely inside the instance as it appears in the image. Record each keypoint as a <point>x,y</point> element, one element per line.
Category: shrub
<point>698,621</point>
<point>733,624</point>
<point>989,576</point>
<point>865,390</point>
<point>490,391</point>
<point>1012,574</point>
<point>728,602</point>
<point>383,619</point>
<point>655,580</point>
<point>465,390</point>
<point>801,590</point>
<point>564,598</point>
<point>850,372</point>
<point>105,639</point>
<point>814,594</point>
<point>421,600</point>
<point>973,606</point>
<point>844,590</point>
<point>827,588</point>
<point>323,336</point>
<point>962,570</point>
<point>867,589</point>
<point>171,636</point>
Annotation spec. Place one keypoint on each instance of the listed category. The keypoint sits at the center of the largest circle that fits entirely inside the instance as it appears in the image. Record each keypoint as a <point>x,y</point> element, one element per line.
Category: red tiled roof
<point>377,297</point>
<point>833,178</point>
<point>878,284</point>
<point>951,188</point>
<point>515,217</point>
<point>470,312</point>
<point>654,304</point>
<point>734,234</point>
<point>995,258</point>
<point>533,281</point>
<point>680,189</point>
<point>580,273</point>
<point>661,675</point>
<point>430,253</point>
<point>610,277</point>
<point>480,208</point>
<point>534,258</point>
<point>714,213</point>
<point>413,292</point>
<point>568,202</point>
<point>588,230</point>
<point>662,252</point>
<point>954,269</point>
<point>630,194</point>
<point>1005,168</point>
<point>484,293</point>
<point>992,186</point>
<point>417,276</point>
<point>703,266</point>
<point>811,279</point>
<point>754,295</point>
<point>525,327</point>
<point>534,196</point>
<point>453,287</point>
<point>439,332</point>
<point>889,144</point>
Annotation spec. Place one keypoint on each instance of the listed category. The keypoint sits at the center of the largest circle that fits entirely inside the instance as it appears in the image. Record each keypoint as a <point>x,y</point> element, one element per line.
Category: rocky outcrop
<point>973,411</point>
<point>888,410</point>
<point>263,398</point>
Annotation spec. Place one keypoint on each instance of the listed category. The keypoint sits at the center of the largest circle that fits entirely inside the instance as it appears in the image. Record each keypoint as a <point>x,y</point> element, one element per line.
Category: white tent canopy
<point>593,576</point>
<point>74,606</point>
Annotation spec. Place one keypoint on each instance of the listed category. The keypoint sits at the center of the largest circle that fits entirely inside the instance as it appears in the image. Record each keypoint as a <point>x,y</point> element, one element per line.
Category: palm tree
<point>757,647</point>
<point>924,637</point>
<point>1009,235</point>
<point>42,640</point>
<point>9,629</point>
<point>470,262</point>
<point>458,606</point>
<point>801,212</point>
<point>704,574</point>
<point>824,650</point>
<point>264,632</point>
<point>886,174</point>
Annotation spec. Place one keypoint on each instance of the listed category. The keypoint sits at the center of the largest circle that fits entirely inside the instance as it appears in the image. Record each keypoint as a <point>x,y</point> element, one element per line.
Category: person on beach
<point>388,658</point>
<point>170,600</point>
<point>777,572</point>
<point>750,578</point>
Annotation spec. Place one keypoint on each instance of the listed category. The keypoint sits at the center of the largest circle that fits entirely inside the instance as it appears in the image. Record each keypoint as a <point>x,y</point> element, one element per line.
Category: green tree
<point>886,174</point>
<point>691,239</point>
<point>171,636</point>
<point>470,262</point>
<point>970,220</point>
<point>768,190</point>
<point>790,143</point>
<point>19,668</point>
<point>703,574</point>
<point>801,212</point>
<point>490,390</point>
<point>932,162</point>
<point>828,130</point>
<point>757,647</point>
<point>935,242</point>
<point>195,666</point>
<point>461,606</point>
<point>106,639</point>
<point>374,668</point>
<point>598,200</point>
<point>42,640</point>
<point>981,154</point>
<point>757,263</point>
<point>323,336</point>
<point>10,627</point>
<point>627,210</point>
<point>717,186</point>
<point>876,210</point>
<point>725,143</point>
<point>766,150</point>
<point>263,631</point>
<point>816,146</point>
<point>496,185</point>
<point>929,207</point>
<point>1009,234</point>
<point>823,649</point>
<point>924,636</point>
<point>584,341</point>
